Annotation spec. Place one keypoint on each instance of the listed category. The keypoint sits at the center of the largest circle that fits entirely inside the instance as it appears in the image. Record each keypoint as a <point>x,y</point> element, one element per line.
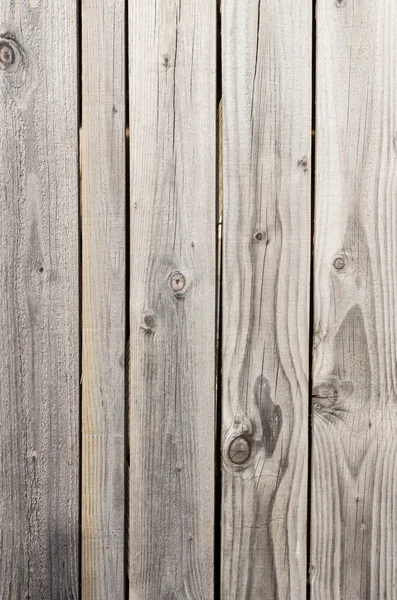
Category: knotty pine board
<point>266,94</point>
<point>353,512</point>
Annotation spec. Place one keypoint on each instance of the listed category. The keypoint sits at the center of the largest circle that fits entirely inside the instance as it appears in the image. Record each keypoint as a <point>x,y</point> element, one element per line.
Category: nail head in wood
<point>7,55</point>
<point>239,450</point>
<point>339,263</point>
<point>178,281</point>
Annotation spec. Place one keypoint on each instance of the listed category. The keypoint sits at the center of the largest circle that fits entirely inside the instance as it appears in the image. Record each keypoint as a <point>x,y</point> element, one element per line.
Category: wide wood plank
<point>173,280</point>
<point>354,519</point>
<point>266,71</point>
<point>39,308</point>
<point>103,288</point>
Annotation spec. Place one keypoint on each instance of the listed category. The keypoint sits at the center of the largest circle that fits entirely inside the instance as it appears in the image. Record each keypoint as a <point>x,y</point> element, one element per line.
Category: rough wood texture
<point>354,525</point>
<point>173,279</point>
<point>39,309</point>
<point>103,247</point>
<point>266,71</point>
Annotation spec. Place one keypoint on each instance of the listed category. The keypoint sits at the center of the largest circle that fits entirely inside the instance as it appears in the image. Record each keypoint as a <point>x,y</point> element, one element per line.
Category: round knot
<point>150,321</point>
<point>7,55</point>
<point>177,281</point>
<point>339,263</point>
<point>239,450</point>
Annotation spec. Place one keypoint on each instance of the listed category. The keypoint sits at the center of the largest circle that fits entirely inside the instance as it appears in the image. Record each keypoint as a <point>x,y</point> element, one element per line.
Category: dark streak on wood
<point>270,414</point>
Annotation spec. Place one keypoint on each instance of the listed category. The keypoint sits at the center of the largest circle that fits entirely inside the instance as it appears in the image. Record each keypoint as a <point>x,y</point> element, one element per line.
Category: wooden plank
<point>266,72</point>
<point>173,278</point>
<point>39,308</point>
<point>103,287</point>
<point>354,524</point>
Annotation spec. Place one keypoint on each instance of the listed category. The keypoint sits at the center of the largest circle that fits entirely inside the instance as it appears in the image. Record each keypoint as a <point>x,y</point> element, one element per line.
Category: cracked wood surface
<point>353,517</point>
<point>266,71</point>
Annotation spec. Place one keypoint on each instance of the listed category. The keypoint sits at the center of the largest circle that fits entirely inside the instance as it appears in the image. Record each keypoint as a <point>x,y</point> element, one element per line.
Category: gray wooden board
<point>353,517</point>
<point>266,88</point>
<point>173,278</point>
<point>103,289</point>
<point>39,308</point>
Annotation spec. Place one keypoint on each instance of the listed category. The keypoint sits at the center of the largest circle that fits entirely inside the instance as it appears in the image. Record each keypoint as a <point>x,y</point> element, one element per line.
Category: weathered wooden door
<point>198,292</point>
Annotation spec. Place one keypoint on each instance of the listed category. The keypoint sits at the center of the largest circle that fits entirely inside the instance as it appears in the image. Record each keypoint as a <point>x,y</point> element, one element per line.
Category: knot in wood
<point>325,395</point>
<point>239,450</point>
<point>150,321</point>
<point>7,55</point>
<point>178,281</point>
<point>304,164</point>
<point>339,263</point>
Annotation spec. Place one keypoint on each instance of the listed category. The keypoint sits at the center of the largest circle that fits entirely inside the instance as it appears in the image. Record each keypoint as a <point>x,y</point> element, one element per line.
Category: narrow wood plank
<point>39,308</point>
<point>354,524</point>
<point>266,70</point>
<point>103,289</point>
<point>173,280</point>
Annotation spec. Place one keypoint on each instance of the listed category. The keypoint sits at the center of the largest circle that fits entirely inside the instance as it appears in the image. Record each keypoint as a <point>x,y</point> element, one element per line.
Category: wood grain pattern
<point>173,277</point>
<point>103,287</point>
<point>39,308</point>
<point>266,70</point>
<point>354,525</point>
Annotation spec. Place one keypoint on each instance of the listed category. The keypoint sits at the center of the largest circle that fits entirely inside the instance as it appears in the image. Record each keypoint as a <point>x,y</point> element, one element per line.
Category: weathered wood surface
<point>173,277</point>
<point>353,520</point>
<point>103,288</point>
<point>266,90</point>
<point>39,308</point>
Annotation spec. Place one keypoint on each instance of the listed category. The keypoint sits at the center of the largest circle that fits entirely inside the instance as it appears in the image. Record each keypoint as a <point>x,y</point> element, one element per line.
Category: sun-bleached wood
<point>172,63</point>
<point>39,307</point>
<point>103,218</point>
<point>353,516</point>
<point>266,89</point>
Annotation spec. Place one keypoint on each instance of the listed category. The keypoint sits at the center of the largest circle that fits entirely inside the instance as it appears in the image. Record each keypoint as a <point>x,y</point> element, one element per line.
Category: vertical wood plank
<point>39,308</point>
<point>266,71</point>
<point>103,289</point>
<point>173,279</point>
<point>354,525</point>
